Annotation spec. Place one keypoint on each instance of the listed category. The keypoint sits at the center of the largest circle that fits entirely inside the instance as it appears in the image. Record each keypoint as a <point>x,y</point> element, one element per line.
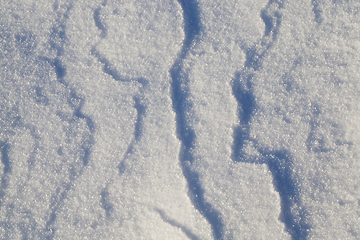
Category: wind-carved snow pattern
<point>140,110</point>
<point>279,162</point>
<point>108,68</point>
<point>39,174</point>
<point>175,224</point>
<point>76,103</point>
<point>15,122</point>
<point>111,70</point>
<point>185,133</point>
<point>52,187</point>
<point>242,86</point>
<point>58,42</point>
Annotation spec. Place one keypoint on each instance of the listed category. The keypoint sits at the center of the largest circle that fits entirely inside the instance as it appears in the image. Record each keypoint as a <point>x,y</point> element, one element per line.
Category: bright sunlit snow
<point>180,119</point>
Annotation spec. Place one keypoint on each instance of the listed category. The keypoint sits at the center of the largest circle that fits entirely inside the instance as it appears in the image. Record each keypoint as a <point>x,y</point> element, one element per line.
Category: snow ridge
<point>279,162</point>
<point>185,133</point>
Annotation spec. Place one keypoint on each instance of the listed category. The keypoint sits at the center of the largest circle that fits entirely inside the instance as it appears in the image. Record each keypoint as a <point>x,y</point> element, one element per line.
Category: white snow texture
<point>180,119</point>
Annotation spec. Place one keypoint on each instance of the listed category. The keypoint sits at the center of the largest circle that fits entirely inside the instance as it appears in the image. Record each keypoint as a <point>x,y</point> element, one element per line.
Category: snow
<point>188,119</point>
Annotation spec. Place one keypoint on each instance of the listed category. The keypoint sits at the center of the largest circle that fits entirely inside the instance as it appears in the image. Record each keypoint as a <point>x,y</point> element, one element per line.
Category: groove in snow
<point>179,90</point>
<point>279,162</point>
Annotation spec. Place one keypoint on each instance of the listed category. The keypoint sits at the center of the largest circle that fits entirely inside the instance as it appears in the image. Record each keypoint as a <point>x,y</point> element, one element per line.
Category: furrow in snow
<point>111,70</point>
<point>140,110</point>
<point>242,84</point>
<point>280,165</point>
<point>185,133</point>
<point>31,160</point>
<point>108,68</point>
<point>99,24</point>
<point>174,223</point>
<point>105,203</point>
<point>317,11</point>
<point>5,147</point>
<point>58,41</point>
<point>279,162</point>
<point>242,91</point>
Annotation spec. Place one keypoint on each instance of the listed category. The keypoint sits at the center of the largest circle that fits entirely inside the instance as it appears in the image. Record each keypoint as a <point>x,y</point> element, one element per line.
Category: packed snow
<point>180,119</point>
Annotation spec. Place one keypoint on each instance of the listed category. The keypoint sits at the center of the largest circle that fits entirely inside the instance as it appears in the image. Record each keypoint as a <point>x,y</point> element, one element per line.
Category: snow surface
<point>188,119</point>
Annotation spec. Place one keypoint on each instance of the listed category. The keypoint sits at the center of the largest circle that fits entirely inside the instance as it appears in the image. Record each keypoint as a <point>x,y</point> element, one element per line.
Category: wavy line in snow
<point>174,223</point>
<point>279,162</point>
<point>141,111</point>
<point>57,41</point>
<point>179,91</point>
<point>5,147</point>
<point>110,70</point>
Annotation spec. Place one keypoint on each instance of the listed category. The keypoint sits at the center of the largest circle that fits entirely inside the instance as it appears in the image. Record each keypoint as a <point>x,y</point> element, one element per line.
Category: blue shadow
<point>180,94</point>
